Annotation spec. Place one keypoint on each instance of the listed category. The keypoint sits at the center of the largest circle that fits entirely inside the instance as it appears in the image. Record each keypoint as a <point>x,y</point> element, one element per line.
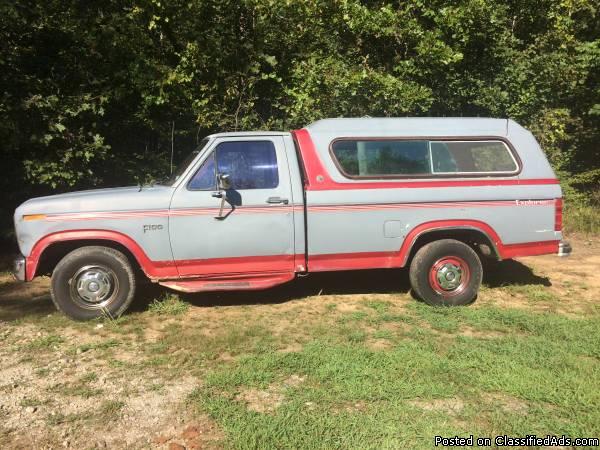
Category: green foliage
<point>96,94</point>
<point>582,218</point>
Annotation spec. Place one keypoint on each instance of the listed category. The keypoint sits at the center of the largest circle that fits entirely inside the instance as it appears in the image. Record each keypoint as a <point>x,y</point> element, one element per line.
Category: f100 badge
<point>152,228</point>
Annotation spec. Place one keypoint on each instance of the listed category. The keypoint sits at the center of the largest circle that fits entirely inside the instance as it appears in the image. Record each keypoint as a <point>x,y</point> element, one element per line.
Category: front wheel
<point>446,273</point>
<point>93,282</point>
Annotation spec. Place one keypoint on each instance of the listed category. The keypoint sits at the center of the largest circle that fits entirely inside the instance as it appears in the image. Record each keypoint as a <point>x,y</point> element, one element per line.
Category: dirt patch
<point>268,400</point>
<point>346,306</point>
<point>19,299</point>
<point>293,381</point>
<point>29,291</point>
<point>265,401</point>
<point>202,433</point>
<point>58,396</point>
<point>506,402</point>
<point>546,283</point>
<point>448,405</point>
<point>294,347</point>
<point>355,407</point>
<point>479,334</point>
<point>379,344</point>
<point>573,279</point>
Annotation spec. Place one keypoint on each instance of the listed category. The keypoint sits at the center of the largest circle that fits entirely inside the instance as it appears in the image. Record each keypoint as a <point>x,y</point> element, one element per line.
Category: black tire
<point>446,273</point>
<point>92,282</point>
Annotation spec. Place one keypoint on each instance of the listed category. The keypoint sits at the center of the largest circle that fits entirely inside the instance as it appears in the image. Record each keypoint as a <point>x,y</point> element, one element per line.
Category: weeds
<point>45,342</point>
<point>582,219</point>
<point>103,345</point>
<point>169,305</point>
<point>110,408</point>
<point>532,292</point>
<point>59,418</point>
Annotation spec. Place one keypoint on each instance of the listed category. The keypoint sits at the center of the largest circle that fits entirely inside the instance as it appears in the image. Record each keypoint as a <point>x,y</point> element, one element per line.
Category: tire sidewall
<point>84,256</point>
<point>425,259</point>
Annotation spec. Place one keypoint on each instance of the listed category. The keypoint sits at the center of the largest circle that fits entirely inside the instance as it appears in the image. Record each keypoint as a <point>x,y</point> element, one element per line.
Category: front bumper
<point>19,268</point>
<point>564,248</point>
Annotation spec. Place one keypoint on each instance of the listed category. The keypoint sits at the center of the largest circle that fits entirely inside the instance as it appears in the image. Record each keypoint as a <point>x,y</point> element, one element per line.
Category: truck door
<point>255,231</point>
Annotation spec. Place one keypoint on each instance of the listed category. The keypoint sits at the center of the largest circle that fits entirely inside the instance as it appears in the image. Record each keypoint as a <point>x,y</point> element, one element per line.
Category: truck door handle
<point>273,200</point>
<point>217,194</point>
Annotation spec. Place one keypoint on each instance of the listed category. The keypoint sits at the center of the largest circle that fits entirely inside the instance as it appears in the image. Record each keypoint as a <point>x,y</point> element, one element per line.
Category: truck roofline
<point>248,134</point>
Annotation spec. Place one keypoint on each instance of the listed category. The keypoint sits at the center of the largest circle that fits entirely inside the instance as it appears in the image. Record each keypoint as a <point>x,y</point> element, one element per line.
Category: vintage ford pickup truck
<point>251,210</point>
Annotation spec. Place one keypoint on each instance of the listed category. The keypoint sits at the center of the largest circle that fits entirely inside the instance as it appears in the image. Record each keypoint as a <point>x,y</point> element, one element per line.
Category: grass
<point>45,342</point>
<point>169,305</point>
<point>531,292</point>
<point>357,397</point>
<point>59,418</point>
<point>109,409</point>
<point>103,345</point>
<point>31,402</point>
<point>5,278</point>
<point>79,388</point>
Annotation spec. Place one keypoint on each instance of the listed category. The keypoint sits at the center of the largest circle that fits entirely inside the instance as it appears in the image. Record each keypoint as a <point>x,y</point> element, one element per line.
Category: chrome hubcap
<point>449,276</point>
<point>93,287</point>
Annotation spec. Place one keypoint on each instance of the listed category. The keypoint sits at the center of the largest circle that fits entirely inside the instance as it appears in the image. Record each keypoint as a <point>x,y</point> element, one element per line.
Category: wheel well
<point>476,239</point>
<point>58,250</point>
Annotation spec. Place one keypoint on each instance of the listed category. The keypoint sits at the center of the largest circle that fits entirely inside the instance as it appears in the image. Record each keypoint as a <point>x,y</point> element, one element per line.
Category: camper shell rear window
<point>416,157</point>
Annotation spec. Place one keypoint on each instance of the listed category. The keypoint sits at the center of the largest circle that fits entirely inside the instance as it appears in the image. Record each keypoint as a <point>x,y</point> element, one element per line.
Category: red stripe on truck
<point>195,212</point>
<point>236,265</point>
<point>529,249</point>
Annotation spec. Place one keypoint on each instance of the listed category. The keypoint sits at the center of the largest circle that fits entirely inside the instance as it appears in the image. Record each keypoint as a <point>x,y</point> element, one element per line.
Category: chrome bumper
<point>564,248</point>
<point>19,268</point>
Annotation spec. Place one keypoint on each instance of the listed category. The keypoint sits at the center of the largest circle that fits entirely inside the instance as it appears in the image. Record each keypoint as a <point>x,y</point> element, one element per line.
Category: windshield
<point>180,169</point>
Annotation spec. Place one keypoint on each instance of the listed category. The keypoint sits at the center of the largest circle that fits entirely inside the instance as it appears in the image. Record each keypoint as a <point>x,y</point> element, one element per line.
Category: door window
<point>249,164</point>
<point>205,178</point>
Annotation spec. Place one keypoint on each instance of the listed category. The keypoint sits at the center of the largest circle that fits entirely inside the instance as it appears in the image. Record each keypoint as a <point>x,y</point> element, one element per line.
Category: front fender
<point>153,269</point>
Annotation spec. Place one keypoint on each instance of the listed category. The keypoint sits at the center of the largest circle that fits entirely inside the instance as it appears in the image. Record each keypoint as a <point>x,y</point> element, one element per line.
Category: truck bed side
<point>354,224</point>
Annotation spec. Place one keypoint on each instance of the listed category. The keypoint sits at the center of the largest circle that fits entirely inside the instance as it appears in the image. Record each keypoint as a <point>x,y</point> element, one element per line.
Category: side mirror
<point>224,181</point>
<point>223,184</point>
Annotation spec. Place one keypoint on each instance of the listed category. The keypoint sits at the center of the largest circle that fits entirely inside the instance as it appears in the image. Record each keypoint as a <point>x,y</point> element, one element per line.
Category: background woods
<point>93,90</point>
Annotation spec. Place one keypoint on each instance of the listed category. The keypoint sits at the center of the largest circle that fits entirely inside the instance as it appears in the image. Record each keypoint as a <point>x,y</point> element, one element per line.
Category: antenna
<point>172,144</point>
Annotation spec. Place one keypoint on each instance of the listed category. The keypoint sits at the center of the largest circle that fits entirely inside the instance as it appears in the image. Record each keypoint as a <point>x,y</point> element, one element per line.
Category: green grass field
<point>484,371</point>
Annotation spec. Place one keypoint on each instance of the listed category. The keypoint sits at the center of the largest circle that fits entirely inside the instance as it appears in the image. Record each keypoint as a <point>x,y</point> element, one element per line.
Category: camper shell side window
<point>374,158</point>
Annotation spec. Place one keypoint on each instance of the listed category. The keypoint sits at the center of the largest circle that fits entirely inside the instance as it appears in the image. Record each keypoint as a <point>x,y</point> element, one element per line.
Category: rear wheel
<point>92,282</point>
<point>446,273</point>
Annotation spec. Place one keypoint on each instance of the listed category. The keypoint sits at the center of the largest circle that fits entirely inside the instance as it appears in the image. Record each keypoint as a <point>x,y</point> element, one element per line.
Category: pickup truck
<point>251,210</point>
